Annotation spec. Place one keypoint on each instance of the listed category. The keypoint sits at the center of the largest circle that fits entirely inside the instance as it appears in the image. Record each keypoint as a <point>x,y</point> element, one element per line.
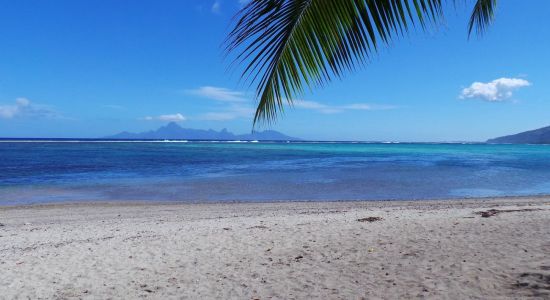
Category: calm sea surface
<point>41,171</point>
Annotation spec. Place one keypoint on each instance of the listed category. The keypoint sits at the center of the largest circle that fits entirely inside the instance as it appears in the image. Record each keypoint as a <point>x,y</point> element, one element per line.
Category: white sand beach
<point>420,249</point>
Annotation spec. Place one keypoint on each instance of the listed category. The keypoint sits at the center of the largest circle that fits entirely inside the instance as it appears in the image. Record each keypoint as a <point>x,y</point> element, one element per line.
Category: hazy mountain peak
<point>174,131</point>
<point>172,125</point>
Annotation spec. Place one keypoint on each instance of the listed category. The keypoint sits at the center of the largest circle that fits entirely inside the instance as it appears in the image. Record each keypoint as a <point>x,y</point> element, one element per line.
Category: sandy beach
<point>323,250</point>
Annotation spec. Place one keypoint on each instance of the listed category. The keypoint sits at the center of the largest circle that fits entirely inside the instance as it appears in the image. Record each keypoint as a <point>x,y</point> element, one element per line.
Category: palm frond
<point>287,46</point>
<point>482,16</point>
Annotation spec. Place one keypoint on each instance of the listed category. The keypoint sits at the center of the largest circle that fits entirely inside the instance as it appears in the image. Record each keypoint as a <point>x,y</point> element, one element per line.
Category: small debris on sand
<point>537,282</point>
<point>494,212</point>
<point>370,219</point>
<point>258,227</point>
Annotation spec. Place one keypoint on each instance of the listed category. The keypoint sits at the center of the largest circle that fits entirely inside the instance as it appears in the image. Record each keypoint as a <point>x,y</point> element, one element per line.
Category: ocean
<point>45,171</point>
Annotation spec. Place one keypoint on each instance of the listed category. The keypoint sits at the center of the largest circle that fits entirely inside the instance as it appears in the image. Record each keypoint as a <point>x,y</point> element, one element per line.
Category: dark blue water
<point>40,171</point>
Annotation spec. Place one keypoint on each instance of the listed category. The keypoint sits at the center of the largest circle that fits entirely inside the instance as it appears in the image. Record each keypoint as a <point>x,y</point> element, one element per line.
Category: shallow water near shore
<point>205,171</point>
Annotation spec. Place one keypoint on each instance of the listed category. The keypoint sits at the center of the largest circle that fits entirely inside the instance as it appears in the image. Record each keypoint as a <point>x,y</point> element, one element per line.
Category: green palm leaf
<point>482,15</point>
<point>289,45</point>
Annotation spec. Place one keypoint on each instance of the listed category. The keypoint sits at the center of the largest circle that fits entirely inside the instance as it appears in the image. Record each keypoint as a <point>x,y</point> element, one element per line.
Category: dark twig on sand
<point>258,227</point>
<point>494,212</point>
<point>370,219</point>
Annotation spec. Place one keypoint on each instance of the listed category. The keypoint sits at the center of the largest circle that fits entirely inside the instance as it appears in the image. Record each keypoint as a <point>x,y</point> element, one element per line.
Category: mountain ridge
<point>173,131</point>
<point>536,136</point>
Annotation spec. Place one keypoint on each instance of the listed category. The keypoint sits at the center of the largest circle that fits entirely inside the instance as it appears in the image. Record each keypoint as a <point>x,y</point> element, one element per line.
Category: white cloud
<point>233,104</point>
<point>216,7</point>
<point>494,91</point>
<point>22,101</point>
<point>167,118</point>
<point>218,93</point>
<point>237,104</point>
<point>333,109</point>
<point>312,105</point>
<point>23,108</point>
<point>231,113</point>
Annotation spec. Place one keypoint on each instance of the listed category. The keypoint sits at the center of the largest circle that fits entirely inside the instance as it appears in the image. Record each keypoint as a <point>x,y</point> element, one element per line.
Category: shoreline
<point>293,250</point>
<point>436,201</point>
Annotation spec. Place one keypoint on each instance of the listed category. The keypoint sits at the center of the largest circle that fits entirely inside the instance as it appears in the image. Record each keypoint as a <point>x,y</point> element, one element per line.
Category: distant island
<point>172,131</point>
<point>537,136</point>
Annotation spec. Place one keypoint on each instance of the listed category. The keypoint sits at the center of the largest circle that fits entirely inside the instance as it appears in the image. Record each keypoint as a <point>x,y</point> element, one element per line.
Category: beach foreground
<point>433,249</point>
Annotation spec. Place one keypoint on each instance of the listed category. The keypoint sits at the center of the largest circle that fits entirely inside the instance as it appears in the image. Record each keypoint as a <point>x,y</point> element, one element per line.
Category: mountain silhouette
<point>537,136</point>
<point>172,131</point>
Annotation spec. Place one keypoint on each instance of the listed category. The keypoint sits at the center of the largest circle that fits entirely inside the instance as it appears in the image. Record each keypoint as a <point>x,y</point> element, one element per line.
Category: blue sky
<point>93,68</point>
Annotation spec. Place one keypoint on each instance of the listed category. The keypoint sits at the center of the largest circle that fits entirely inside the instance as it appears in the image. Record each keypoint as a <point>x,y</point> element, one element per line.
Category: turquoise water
<point>53,171</point>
